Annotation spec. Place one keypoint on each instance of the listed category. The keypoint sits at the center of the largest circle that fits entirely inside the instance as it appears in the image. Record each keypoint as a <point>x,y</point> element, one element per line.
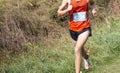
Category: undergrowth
<point>59,58</point>
<point>33,39</point>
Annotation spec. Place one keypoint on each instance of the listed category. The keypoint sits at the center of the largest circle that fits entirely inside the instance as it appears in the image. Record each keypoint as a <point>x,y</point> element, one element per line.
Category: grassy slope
<point>111,67</point>
<point>59,58</point>
<point>56,55</point>
<point>105,47</point>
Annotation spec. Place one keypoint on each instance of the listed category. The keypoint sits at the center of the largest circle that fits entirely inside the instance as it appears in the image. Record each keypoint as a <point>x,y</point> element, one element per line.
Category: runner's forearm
<point>62,12</point>
<point>92,4</point>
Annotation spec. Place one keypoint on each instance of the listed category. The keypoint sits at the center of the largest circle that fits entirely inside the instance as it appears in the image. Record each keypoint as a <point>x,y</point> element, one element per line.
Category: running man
<point>79,28</point>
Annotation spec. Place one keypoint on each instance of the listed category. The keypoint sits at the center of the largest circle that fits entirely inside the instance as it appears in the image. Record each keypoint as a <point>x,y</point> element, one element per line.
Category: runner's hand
<point>94,12</point>
<point>69,7</point>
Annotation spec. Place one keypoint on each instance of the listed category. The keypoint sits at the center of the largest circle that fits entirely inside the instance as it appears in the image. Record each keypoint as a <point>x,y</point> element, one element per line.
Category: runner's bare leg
<point>82,38</point>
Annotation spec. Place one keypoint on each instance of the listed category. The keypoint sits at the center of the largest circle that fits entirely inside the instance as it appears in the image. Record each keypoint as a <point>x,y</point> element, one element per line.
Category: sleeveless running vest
<point>79,15</point>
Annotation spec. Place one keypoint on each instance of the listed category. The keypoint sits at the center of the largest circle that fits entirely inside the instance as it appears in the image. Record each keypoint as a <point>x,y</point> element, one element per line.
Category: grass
<point>111,66</point>
<point>54,53</point>
<point>40,61</point>
<point>58,57</point>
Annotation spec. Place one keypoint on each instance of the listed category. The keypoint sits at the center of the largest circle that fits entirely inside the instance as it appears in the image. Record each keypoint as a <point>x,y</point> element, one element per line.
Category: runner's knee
<point>78,50</point>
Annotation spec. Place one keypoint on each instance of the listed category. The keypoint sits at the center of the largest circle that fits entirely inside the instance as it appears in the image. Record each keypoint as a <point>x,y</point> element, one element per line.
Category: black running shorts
<point>75,34</point>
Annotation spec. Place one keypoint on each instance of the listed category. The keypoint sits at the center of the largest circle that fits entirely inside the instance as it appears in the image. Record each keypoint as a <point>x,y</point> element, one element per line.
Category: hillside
<point>33,39</point>
<point>112,67</point>
<point>36,20</point>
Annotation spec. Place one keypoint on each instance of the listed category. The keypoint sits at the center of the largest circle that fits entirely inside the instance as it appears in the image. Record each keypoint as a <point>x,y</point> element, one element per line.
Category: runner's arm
<point>61,11</point>
<point>94,9</point>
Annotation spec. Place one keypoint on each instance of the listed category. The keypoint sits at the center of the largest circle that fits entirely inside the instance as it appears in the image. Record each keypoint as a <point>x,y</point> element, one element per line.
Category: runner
<point>79,27</point>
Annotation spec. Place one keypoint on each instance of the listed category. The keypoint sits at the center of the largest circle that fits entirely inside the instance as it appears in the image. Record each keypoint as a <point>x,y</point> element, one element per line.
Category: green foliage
<point>25,22</point>
<point>59,58</point>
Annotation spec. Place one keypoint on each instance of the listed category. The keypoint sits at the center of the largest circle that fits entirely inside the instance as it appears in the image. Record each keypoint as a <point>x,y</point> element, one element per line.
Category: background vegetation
<point>33,39</point>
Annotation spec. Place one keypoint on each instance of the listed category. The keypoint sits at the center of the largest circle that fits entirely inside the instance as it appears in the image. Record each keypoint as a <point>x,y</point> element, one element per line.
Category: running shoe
<point>86,64</point>
<point>80,71</point>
